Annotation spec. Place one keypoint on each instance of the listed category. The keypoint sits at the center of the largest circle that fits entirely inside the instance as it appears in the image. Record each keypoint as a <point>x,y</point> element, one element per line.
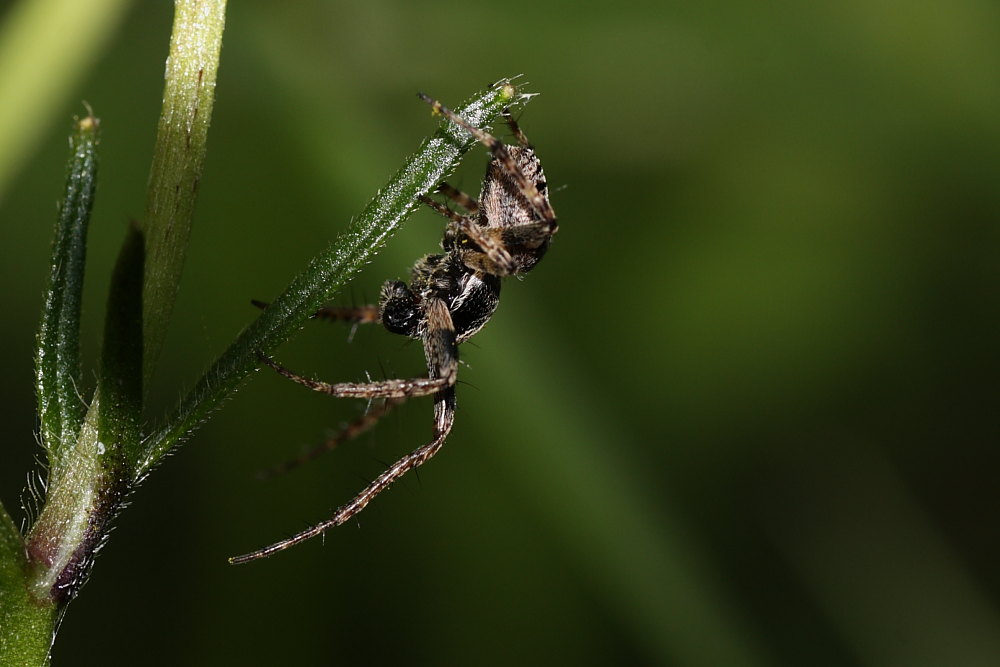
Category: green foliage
<point>97,451</point>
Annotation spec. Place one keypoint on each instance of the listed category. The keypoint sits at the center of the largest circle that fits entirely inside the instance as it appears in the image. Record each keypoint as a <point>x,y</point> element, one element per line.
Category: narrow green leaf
<point>331,270</point>
<point>57,357</point>
<point>178,156</point>
<point>97,469</point>
<point>121,365</point>
<point>86,476</point>
<point>26,624</point>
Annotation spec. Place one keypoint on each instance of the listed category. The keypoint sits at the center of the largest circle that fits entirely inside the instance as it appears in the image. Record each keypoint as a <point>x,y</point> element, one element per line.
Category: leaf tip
<point>507,91</point>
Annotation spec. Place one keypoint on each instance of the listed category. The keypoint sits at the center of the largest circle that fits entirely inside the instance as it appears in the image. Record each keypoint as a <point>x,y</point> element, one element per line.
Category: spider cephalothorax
<point>449,298</point>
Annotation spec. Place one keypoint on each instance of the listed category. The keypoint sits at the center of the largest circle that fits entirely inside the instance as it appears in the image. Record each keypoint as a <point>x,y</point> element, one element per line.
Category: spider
<point>450,297</point>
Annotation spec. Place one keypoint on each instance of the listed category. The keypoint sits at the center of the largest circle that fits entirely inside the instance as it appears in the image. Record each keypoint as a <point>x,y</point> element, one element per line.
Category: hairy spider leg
<point>441,352</point>
<point>348,432</point>
<point>440,208</point>
<point>459,197</point>
<point>442,362</point>
<point>444,418</point>
<point>519,134</point>
<point>385,389</point>
<point>367,314</point>
<point>500,262</point>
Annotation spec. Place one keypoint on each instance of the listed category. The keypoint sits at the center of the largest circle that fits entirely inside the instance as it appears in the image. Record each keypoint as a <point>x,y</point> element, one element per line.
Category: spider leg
<point>439,349</point>
<point>540,205</point>
<point>384,389</point>
<point>516,130</point>
<point>459,197</point>
<point>499,245</point>
<point>491,242</point>
<point>366,314</point>
<point>444,418</point>
<point>497,257</point>
<point>353,314</point>
<point>442,364</point>
<point>348,432</point>
<point>441,209</point>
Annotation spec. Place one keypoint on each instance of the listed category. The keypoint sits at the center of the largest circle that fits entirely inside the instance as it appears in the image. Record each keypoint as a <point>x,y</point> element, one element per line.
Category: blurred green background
<point>745,412</point>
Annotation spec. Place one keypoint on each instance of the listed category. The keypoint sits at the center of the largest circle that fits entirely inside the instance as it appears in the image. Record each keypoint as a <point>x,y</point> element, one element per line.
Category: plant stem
<point>25,623</point>
<point>93,450</point>
<point>29,603</point>
<point>178,156</point>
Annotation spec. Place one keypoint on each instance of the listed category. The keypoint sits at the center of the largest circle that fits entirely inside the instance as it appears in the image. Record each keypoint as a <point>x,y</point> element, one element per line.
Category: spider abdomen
<point>502,202</point>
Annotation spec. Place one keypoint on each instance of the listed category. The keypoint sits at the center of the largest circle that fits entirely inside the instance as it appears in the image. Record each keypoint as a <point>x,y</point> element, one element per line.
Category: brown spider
<point>450,297</point>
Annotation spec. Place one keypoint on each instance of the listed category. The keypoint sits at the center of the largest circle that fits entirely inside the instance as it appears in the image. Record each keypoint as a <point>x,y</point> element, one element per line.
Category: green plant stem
<point>25,623</point>
<point>90,475</point>
<point>31,568</point>
<point>329,272</point>
<point>178,156</point>
<point>75,475</point>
